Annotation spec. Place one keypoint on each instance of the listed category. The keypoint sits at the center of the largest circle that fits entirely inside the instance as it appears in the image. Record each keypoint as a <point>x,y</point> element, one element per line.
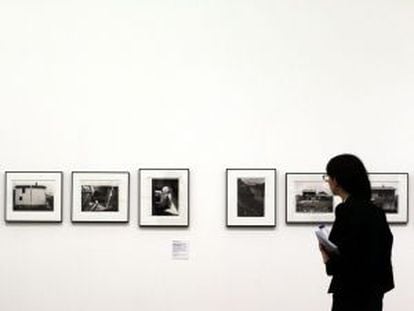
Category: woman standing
<point>362,271</point>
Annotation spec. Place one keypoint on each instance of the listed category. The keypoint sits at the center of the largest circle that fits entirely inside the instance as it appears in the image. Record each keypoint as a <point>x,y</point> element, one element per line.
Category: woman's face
<point>333,185</point>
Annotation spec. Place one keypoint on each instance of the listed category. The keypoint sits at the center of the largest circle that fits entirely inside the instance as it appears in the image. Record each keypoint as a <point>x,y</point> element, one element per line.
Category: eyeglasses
<point>325,177</point>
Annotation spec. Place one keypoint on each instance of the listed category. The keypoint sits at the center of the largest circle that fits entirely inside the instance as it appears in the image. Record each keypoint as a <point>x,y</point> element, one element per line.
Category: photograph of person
<point>165,197</point>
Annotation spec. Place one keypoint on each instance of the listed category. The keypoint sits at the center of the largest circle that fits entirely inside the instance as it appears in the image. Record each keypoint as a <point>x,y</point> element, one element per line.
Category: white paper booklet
<point>322,233</point>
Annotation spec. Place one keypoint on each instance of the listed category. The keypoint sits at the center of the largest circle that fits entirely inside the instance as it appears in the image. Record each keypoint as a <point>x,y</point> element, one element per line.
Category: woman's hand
<point>325,254</point>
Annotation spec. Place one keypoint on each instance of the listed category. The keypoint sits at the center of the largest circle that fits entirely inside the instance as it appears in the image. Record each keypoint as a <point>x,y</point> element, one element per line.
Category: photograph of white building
<point>32,197</point>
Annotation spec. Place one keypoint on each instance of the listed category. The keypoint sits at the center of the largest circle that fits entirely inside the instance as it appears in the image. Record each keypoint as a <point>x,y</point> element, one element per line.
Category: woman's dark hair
<point>350,173</point>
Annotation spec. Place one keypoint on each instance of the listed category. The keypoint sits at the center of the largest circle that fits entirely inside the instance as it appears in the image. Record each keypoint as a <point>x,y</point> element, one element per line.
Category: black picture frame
<point>41,213</point>
<point>384,179</point>
<point>401,217</point>
<point>269,207</point>
<point>123,192</point>
<point>146,215</point>
<point>304,217</point>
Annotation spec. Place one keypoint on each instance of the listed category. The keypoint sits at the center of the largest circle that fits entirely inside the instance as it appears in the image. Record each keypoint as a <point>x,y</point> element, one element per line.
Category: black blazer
<point>364,240</point>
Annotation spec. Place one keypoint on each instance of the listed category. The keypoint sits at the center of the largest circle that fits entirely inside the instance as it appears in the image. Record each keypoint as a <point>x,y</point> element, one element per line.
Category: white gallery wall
<point>204,85</point>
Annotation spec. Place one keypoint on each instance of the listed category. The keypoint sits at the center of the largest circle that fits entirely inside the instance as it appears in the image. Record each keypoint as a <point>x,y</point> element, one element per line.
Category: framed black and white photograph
<point>164,197</point>
<point>309,199</point>
<point>100,196</point>
<point>390,192</point>
<point>33,196</point>
<point>251,197</point>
